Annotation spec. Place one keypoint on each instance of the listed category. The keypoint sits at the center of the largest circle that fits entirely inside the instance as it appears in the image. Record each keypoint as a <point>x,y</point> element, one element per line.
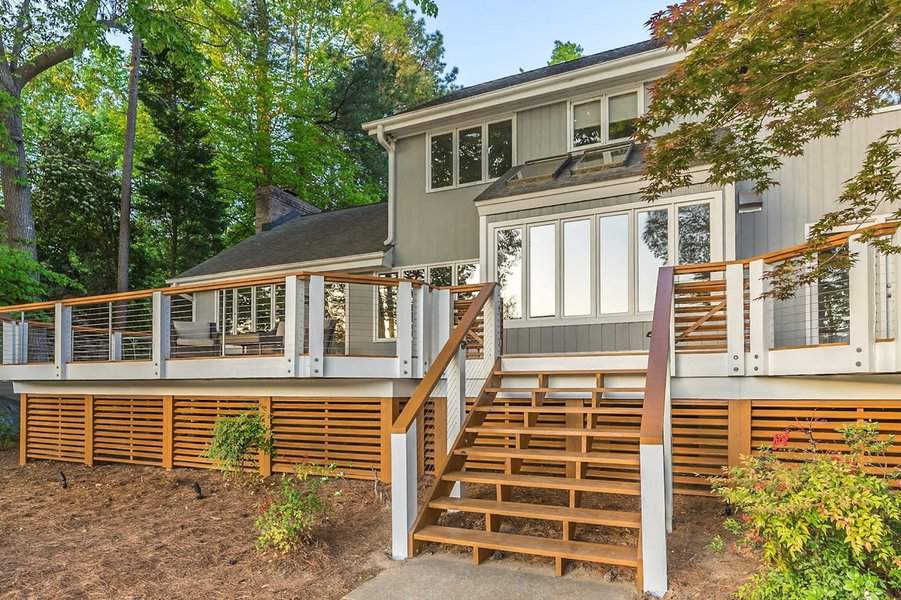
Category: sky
<point>487,39</point>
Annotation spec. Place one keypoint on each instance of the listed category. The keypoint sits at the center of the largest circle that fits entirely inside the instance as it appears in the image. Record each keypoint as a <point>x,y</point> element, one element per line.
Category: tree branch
<point>19,35</point>
<point>42,62</point>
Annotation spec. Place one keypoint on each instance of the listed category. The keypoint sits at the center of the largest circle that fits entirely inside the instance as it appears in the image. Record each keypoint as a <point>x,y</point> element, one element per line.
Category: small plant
<point>234,438</point>
<point>824,528</point>
<point>8,434</point>
<point>290,518</point>
<point>716,545</point>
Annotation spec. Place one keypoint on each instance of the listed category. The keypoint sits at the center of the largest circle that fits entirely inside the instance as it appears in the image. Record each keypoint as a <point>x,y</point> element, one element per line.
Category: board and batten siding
<point>541,132</point>
<point>809,186</point>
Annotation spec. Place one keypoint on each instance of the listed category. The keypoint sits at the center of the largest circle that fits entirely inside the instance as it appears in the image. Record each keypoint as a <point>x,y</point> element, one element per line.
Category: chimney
<point>275,204</point>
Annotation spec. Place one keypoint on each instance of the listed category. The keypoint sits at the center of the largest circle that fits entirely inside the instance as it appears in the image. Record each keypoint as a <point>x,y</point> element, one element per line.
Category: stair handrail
<point>425,388</point>
<point>652,411</point>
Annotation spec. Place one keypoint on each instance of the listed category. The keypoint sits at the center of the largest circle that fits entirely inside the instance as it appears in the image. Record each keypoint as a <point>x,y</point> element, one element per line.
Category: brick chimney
<point>274,203</point>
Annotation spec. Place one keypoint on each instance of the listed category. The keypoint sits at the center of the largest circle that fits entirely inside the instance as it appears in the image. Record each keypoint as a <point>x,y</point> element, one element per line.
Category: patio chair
<point>194,338</point>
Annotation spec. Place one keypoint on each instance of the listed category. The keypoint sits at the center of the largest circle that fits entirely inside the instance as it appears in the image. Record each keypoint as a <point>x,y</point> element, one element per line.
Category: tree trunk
<point>128,163</point>
<point>16,188</point>
<point>263,95</point>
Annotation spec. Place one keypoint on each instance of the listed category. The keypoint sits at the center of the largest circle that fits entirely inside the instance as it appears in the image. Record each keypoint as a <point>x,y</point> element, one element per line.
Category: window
<point>577,268</point>
<point>653,252</point>
<point>468,274</point>
<point>600,264</point>
<point>386,310</point>
<point>604,120</point>
<point>470,155</point>
<point>542,271</point>
<point>613,236</point>
<point>441,275</point>
<point>414,274</point>
<point>441,151</point>
<point>469,149</point>
<point>509,270</point>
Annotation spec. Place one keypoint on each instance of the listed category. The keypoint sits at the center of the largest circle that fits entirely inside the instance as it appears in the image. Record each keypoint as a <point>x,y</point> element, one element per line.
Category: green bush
<point>823,527</point>
<point>290,518</point>
<point>9,433</point>
<point>234,438</point>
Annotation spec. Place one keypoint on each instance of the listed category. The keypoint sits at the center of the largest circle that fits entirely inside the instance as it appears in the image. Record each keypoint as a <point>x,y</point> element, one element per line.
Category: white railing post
<point>404,465</point>
<point>894,279</point>
<point>759,321</point>
<point>443,321</point>
<point>668,449</point>
<point>161,315</point>
<point>653,520</point>
<point>456,403</point>
<point>317,325</point>
<point>294,323</point>
<point>862,305</point>
<point>115,345</point>
<point>735,318</point>
<point>62,338</point>
<point>423,329</point>
<point>22,339</point>
<point>404,329</point>
<point>492,342</point>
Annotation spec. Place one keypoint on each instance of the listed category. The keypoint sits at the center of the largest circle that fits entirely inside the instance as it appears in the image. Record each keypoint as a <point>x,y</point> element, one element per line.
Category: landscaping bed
<point>120,531</point>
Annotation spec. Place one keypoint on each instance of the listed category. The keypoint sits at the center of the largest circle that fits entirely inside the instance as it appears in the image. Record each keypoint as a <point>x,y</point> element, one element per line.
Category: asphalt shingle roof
<point>333,234</point>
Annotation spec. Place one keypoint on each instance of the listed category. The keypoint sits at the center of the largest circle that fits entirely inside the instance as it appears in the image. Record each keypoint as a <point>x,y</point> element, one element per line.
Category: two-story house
<point>626,348</point>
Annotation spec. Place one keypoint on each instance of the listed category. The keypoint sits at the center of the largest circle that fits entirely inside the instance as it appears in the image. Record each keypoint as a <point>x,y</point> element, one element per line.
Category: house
<point>515,317</point>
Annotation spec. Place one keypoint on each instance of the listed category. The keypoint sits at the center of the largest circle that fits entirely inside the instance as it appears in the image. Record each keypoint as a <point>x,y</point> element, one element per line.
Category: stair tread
<point>626,556</point>
<point>589,516</point>
<point>545,482</point>
<point>605,432</point>
<point>561,410</point>
<point>582,372</point>
<point>551,389</point>
<point>604,458</point>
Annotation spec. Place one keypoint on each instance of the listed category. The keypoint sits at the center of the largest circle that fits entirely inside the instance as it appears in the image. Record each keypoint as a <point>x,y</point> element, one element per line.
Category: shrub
<point>9,433</point>
<point>235,437</point>
<point>290,518</point>
<point>824,528</point>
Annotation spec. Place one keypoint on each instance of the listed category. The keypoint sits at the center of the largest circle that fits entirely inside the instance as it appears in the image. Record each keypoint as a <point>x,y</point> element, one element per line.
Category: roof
<point>526,76</point>
<point>564,171</point>
<point>332,234</point>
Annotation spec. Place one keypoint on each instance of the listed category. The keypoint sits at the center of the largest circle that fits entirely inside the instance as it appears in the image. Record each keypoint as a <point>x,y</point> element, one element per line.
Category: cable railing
<point>28,336</point>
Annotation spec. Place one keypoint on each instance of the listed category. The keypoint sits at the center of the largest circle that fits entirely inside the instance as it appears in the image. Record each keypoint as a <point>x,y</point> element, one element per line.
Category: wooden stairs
<point>547,446</point>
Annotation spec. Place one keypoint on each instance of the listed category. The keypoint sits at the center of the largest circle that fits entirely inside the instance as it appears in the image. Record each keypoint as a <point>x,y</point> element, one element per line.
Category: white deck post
<point>317,325</point>
<point>115,345</point>
<point>294,323</point>
<point>405,329</point>
<point>862,305</point>
<point>443,319</point>
<point>894,278</point>
<point>653,520</point>
<point>404,461</point>
<point>62,338</point>
<point>422,329</point>
<point>456,404</point>
<point>735,318</point>
<point>759,321</point>
<point>161,315</point>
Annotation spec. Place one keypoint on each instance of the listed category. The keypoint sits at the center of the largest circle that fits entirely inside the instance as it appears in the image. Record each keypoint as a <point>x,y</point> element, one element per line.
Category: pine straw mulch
<point>121,531</point>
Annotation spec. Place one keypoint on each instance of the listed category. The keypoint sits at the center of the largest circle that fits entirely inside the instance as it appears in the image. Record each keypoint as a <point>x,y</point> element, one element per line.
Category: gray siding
<point>809,186</point>
<point>541,132</point>
<point>600,337</point>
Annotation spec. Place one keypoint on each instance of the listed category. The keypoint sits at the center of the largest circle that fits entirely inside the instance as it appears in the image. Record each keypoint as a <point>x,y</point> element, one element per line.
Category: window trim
<point>603,99</point>
<point>717,250</point>
<point>455,138</point>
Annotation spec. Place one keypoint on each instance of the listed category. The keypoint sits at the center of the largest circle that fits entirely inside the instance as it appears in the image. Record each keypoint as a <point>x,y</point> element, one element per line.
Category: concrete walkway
<point>442,577</point>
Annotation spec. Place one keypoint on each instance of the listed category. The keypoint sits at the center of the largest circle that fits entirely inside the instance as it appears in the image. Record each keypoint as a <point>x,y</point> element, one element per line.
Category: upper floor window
<point>470,155</point>
<point>605,119</point>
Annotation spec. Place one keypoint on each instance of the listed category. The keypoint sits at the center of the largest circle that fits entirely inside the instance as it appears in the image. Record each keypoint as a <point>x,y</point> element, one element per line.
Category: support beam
<point>653,520</point>
<point>739,430</point>
<point>265,458</point>
<point>161,312</point>
<point>403,491</point>
<point>735,318</point>
<point>23,428</point>
<point>294,324</point>
<point>89,430</point>
<point>62,342</point>
<point>760,320</point>
<point>168,431</point>
<point>317,326</point>
<point>862,302</point>
<point>405,329</point>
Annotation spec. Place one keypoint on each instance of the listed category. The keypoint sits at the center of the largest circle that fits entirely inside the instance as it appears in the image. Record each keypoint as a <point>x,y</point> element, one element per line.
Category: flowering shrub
<point>290,518</point>
<point>824,528</point>
<point>234,437</point>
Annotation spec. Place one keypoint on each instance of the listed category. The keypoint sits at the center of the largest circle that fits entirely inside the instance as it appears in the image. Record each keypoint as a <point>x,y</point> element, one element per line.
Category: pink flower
<point>780,440</point>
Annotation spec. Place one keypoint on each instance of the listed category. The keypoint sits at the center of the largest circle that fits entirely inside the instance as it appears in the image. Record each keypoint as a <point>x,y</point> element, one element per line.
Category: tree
<point>761,80</point>
<point>178,200</point>
<point>128,157</point>
<point>564,51</point>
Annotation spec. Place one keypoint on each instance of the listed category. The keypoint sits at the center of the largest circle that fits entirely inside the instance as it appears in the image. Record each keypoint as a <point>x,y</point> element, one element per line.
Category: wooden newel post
<point>168,431</point>
<point>23,429</point>
<point>89,430</point>
<point>739,430</point>
<point>266,415</point>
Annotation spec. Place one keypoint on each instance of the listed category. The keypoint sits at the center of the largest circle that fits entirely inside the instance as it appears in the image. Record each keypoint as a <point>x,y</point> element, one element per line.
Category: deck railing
<point>299,325</point>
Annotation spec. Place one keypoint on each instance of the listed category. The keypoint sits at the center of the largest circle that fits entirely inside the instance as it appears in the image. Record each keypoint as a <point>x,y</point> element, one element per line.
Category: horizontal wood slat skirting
<point>354,433</point>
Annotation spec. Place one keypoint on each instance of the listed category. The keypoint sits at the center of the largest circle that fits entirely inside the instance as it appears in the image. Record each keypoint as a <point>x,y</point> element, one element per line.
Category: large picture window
<point>599,265</point>
<point>470,155</point>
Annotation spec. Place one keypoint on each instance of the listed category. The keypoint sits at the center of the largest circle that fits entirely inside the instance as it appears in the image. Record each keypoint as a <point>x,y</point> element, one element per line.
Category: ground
<point>132,532</point>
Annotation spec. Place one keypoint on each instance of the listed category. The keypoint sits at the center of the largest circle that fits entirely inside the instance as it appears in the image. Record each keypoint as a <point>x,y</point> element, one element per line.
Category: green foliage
<point>564,51</point>
<point>23,279</point>
<point>235,437</point>
<point>824,528</point>
<point>763,80</point>
<point>9,433</point>
<point>717,545</point>
<point>290,517</point>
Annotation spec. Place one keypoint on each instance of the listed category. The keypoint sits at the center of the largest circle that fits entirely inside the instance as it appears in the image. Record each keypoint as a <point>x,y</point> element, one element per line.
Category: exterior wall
<point>809,186</point>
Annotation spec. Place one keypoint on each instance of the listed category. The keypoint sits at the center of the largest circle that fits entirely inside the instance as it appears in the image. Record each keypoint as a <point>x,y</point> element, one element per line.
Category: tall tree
<point>178,196</point>
<point>564,51</point>
<point>128,156</point>
<point>761,80</point>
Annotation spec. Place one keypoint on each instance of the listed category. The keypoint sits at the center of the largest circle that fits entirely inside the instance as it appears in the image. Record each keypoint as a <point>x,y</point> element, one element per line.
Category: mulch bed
<point>120,531</point>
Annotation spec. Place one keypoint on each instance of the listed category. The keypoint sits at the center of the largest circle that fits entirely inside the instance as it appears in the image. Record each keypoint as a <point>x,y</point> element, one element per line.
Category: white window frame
<point>603,99</point>
<point>717,248</point>
<point>399,272</point>
<point>455,142</point>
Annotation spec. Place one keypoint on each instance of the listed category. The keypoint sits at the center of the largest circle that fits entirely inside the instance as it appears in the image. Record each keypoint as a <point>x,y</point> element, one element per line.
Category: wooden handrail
<point>424,390</point>
<point>652,411</point>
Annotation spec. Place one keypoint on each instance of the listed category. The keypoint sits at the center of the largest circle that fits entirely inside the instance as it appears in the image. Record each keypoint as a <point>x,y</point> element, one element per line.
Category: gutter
<point>389,146</point>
